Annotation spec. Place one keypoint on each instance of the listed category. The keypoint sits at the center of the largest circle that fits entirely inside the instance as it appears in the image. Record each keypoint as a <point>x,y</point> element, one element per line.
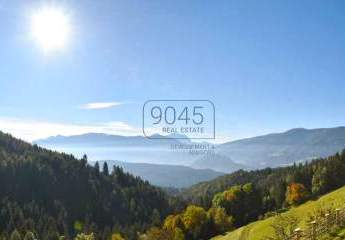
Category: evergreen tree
<point>84,160</point>
<point>97,167</point>
<point>105,169</point>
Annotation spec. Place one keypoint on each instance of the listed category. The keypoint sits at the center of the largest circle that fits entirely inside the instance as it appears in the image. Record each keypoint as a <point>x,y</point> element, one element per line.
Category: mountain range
<point>139,149</point>
<point>166,175</point>
<point>279,149</point>
<point>271,150</point>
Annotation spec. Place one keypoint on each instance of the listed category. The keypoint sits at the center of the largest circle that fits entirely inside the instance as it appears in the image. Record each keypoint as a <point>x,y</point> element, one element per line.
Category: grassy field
<point>260,229</point>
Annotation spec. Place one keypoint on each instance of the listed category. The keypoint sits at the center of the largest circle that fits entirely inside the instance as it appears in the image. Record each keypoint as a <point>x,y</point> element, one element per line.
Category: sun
<point>50,28</point>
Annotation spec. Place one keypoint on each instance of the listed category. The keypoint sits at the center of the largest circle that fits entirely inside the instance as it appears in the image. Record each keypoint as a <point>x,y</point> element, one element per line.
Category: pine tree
<point>105,169</point>
<point>84,160</point>
<point>97,167</point>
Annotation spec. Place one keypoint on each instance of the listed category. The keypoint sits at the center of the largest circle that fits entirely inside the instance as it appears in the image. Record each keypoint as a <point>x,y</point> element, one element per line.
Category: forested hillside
<point>237,199</point>
<point>249,196</point>
<point>301,216</point>
<point>317,177</point>
<point>52,194</point>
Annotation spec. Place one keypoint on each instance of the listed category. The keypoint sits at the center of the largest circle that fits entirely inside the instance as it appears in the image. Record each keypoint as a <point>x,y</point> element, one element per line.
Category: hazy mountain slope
<point>270,150</point>
<point>285,148</point>
<point>217,162</point>
<point>99,146</point>
<point>102,140</point>
<point>166,175</point>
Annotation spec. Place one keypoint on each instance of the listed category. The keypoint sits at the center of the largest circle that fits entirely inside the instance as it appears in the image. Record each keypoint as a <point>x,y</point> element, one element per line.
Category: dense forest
<point>250,195</point>
<point>237,199</point>
<point>317,177</point>
<point>49,195</point>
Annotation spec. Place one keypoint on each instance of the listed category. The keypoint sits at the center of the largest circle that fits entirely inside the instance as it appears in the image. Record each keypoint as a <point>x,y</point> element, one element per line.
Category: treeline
<point>49,195</point>
<point>195,223</point>
<point>235,200</point>
<point>250,195</point>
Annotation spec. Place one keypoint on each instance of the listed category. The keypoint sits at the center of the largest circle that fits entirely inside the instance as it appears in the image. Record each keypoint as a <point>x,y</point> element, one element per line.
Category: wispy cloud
<point>100,105</point>
<point>31,130</point>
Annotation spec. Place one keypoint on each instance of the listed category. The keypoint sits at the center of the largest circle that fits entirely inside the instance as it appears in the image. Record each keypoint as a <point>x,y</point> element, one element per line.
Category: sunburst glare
<point>50,28</point>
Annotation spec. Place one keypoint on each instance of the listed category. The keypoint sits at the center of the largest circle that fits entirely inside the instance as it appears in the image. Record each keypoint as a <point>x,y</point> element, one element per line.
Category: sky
<point>268,65</point>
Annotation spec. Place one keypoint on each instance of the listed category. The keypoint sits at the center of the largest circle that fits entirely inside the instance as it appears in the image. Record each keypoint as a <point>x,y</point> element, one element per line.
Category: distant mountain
<point>217,162</point>
<point>272,150</point>
<point>166,175</point>
<point>100,146</point>
<point>280,149</point>
<point>103,140</point>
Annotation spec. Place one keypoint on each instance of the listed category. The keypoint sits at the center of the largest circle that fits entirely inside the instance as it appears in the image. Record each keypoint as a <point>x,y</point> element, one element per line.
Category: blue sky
<point>267,65</point>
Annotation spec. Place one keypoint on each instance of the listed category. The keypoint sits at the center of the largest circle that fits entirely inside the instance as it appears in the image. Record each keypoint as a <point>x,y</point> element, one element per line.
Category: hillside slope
<point>279,149</point>
<point>260,229</point>
<point>55,194</point>
<point>217,162</point>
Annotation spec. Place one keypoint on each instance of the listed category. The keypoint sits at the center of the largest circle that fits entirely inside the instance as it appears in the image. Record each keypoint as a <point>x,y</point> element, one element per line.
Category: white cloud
<point>30,130</point>
<point>100,105</point>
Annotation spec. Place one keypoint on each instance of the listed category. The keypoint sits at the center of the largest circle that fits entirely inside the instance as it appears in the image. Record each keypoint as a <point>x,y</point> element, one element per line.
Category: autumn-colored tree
<point>156,233</point>
<point>78,226</point>
<point>194,219</point>
<point>296,193</point>
<point>221,221</point>
<point>178,234</point>
<point>173,222</point>
<point>242,202</point>
<point>83,236</point>
<point>117,236</point>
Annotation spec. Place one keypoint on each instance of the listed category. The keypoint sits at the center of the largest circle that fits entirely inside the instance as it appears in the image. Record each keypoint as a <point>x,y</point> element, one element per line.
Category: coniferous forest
<point>51,195</point>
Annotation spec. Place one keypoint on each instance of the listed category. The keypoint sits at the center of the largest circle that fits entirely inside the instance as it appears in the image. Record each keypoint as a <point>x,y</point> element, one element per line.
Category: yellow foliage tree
<point>172,222</point>
<point>296,193</point>
<point>117,236</point>
<point>220,219</point>
<point>82,236</point>
<point>194,218</point>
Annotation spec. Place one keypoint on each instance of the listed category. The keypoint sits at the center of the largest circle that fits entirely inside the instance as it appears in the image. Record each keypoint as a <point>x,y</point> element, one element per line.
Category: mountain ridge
<point>269,150</point>
<point>278,149</point>
<point>164,175</point>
